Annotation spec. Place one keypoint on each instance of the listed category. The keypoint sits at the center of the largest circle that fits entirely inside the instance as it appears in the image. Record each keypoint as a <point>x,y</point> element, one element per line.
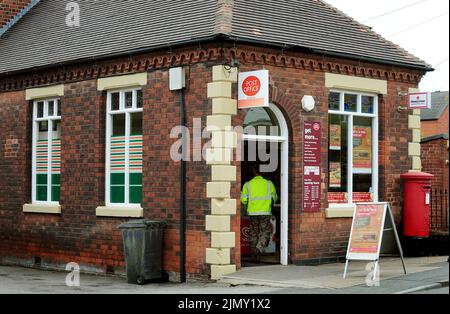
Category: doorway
<point>266,142</point>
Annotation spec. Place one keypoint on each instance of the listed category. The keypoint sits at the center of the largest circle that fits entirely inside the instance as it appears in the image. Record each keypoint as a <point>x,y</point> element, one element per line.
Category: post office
<point>87,112</point>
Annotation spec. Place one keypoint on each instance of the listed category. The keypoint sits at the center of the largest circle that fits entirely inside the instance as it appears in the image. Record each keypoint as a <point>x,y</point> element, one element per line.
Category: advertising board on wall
<point>312,174</point>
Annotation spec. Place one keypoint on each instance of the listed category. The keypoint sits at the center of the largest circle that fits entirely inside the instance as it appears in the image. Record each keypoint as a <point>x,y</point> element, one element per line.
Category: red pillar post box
<point>417,204</point>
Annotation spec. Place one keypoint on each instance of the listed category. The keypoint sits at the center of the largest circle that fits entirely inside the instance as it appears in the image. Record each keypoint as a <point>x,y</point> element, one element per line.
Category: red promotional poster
<point>362,148</point>
<point>362,197</point>
<point>367,229</point>
<point>337,198</point>
<point>312,135</point>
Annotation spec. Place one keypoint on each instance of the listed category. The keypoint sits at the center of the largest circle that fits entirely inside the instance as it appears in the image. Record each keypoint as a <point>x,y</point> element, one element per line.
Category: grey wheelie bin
<point>143,241</point>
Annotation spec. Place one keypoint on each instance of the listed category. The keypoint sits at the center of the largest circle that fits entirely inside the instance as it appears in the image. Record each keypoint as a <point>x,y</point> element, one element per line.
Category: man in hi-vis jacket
<point>258,195</point>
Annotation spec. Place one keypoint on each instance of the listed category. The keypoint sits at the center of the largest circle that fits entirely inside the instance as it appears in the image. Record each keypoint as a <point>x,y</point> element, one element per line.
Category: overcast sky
<point>428,41</point>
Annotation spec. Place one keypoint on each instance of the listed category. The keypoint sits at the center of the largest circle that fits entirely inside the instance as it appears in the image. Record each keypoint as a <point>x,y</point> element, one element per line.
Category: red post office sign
<point>419,101</point>
<point>253,89</point>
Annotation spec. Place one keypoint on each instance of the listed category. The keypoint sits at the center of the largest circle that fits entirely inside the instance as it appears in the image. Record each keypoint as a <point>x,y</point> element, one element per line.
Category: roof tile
<point>42,38</point>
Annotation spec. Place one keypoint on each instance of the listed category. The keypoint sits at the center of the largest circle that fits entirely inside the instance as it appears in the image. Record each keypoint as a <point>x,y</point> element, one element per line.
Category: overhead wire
<point>441,63</point>
<point>419,24</point>
<point>395,11</point>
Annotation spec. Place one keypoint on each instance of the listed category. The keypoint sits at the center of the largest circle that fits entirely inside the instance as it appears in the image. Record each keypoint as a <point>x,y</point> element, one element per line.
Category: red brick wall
<point>79,236</point>
<point>394,137</point>
<point>436,127</point>
<point>14,151</point>
<point>161,175</point>
<point>10,8</point>
<point>434,160</point>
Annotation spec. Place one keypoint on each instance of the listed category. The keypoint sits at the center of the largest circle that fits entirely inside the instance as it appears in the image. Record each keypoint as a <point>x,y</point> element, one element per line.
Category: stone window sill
<point>340,212</point>
<point>120,212</point>
<point>42,209</point>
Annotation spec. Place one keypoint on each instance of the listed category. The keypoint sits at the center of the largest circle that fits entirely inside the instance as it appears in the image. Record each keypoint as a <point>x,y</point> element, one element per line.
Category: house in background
<point>435,120</point>
<point>435,140</point>
<point>435,156</point>
<point>11,11</point>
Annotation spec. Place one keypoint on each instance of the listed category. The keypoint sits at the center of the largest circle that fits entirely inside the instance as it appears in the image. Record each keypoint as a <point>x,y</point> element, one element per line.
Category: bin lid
<point>416,175</point>
<point>142,224</point>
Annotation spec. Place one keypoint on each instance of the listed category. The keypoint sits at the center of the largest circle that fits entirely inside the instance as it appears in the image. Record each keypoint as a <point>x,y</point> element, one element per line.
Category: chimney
<point>224,17</point>
<point>10,8</point>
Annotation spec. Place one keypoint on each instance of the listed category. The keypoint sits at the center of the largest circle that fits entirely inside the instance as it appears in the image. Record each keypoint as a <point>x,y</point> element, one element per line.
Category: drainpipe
<point>177,82</point>
<point>183,190</point>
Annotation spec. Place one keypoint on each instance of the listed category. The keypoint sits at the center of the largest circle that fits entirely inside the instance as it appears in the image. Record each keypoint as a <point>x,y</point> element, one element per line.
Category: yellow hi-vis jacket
<point>258,195</point>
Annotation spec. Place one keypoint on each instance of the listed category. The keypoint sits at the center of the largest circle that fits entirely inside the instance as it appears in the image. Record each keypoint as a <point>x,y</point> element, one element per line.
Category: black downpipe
<point>183,189</point>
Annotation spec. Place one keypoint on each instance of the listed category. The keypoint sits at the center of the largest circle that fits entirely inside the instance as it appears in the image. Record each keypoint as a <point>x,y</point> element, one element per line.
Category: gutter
<point>18,16</point>
<point>443,136</point>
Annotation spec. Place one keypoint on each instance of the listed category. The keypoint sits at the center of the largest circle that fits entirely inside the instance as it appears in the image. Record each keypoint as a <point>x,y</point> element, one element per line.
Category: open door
<point>266,142</point>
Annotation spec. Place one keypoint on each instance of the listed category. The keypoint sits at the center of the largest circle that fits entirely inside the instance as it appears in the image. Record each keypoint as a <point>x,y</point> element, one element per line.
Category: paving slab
<point>328,276</point>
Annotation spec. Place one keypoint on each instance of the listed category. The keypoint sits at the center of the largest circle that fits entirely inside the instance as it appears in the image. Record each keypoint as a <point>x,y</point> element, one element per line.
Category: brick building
<point>86,115</point>
<point>12,10</point>
<point>435,140</point>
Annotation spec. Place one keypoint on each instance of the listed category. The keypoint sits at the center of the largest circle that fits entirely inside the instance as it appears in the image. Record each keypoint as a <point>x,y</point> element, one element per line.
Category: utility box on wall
<point>177,78</point>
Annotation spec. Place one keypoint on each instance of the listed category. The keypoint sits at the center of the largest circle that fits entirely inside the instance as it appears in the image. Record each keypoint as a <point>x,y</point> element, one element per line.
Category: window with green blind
<point>125,149</point>
<point>46,180</point>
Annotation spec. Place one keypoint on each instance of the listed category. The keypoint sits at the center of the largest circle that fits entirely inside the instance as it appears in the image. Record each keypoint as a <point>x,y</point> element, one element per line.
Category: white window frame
<point>49,120</point>
<point>375,130</point>
<point>109,114</point>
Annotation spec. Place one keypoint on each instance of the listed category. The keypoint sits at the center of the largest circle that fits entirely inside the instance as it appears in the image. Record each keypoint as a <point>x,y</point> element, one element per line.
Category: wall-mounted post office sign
<point>253,89</point>
<point>419,101</point>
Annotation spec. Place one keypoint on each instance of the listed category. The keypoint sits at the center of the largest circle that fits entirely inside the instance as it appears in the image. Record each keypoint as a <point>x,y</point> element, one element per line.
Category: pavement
<point>425,276</point>
<point>329,276</point>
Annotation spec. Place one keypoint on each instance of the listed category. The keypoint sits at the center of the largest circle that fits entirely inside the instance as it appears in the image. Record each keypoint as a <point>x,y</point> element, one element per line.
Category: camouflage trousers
<point>260,233</point>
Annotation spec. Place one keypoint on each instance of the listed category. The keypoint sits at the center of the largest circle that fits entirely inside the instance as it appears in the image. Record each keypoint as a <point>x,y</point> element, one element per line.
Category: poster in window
<point>337,198</point>
<point>362,197</point>
<point>362,148</point>
<point>335,137</point>
<point>335,175</point>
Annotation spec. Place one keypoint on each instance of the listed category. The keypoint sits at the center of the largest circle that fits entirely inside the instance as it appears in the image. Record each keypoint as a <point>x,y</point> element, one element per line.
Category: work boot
<point>255,257</point>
